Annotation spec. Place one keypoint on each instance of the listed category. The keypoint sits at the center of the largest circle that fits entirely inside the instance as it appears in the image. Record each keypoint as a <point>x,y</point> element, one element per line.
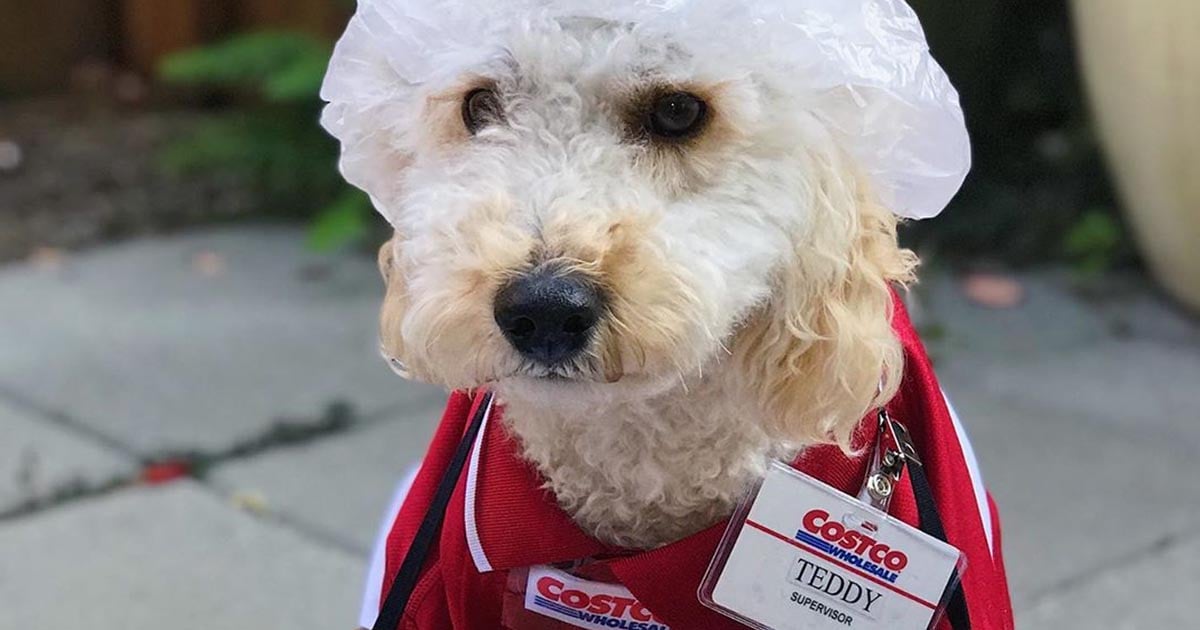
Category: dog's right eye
<point>481,108</point>
<point>677,116</point>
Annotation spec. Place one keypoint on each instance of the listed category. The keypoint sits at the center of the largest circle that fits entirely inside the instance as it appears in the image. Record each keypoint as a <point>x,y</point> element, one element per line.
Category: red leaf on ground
<point>993,290</point>
<point>208,264</point>
<point>163,472</point>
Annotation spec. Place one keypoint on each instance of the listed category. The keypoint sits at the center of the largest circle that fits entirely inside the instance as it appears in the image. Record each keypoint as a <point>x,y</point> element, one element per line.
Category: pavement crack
<point>338,417</point>
<point>173,464</point>
<point>68,492</point>
<point>305,530</point>
<point>66,422</point>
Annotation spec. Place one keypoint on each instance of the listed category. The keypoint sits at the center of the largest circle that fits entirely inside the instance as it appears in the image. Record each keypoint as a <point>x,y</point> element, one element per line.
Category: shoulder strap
<point>396,602</point>
<point>931,523</point>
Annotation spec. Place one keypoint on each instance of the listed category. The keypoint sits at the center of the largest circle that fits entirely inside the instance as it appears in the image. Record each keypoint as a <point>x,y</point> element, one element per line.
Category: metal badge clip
<point>893,450</point>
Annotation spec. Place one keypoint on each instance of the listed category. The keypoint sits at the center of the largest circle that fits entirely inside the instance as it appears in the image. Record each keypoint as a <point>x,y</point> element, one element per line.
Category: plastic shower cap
<point>906,128</point>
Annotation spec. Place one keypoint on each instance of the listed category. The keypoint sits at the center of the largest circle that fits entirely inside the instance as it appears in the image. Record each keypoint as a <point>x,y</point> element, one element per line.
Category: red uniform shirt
<point>499,520</point>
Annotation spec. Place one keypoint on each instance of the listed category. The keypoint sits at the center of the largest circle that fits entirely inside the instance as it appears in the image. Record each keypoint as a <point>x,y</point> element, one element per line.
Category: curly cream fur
<point>748,271</point>
<point>803,370</point>
<point>825,353</point>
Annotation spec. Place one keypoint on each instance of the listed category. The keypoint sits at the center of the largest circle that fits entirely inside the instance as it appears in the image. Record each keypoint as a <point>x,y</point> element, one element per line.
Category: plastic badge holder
<point>798,555</point>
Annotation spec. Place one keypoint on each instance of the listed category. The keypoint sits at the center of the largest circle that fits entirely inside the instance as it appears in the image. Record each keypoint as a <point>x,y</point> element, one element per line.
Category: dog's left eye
<point>481,108</point>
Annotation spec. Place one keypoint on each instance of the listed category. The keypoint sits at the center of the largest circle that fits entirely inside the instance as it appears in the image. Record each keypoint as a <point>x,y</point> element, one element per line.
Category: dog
<point>661,249</point>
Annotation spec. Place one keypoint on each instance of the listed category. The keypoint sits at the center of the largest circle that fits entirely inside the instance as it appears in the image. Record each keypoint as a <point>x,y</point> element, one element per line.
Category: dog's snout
<point>548,315</point>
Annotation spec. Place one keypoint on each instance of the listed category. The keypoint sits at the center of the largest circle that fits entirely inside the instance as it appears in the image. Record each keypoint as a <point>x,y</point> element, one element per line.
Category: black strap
<point>406,579</point>
<point>931,523</point>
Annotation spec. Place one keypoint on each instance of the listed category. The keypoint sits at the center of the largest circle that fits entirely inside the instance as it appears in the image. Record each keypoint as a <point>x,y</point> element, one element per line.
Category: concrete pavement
<point>237,351</point>
<point>1083,408</point>
<point>241,353</point>
<point>171,557</point>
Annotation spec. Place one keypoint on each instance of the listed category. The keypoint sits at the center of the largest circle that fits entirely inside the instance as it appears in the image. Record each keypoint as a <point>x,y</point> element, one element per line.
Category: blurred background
<point>196,431</point>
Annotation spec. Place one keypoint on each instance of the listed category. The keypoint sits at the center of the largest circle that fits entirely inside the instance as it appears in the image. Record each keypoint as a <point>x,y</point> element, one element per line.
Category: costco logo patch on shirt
<point>586,604</point>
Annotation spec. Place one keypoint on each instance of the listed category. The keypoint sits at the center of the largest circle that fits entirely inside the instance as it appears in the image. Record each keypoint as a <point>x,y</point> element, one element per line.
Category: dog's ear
<point>387,259</point>
<point>815,357</point>
<point>394,303</point>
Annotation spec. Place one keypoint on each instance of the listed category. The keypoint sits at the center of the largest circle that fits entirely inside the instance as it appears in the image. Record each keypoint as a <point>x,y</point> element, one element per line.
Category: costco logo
<point>852,545</point>
<point>586,604</point>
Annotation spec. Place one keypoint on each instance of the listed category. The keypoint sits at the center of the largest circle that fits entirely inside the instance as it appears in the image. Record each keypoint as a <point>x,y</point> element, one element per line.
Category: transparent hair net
<point>905,129</point>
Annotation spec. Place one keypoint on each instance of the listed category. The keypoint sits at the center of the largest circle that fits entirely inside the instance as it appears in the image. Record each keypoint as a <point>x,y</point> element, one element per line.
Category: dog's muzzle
<point>549,315</point>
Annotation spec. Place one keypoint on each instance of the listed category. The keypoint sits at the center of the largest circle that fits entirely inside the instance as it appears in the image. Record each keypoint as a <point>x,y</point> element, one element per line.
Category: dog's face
<point>608,215</point>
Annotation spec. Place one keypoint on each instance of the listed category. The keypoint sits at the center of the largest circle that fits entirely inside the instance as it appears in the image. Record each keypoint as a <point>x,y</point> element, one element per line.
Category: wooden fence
<point>41,41</point>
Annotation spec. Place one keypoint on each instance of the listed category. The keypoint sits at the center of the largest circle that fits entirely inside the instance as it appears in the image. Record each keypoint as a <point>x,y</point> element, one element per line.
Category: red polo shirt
<point>499,519</point>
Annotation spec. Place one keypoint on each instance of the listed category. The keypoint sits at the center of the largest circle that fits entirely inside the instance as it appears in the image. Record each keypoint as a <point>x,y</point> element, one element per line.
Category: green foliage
<point>1094,243</point>
<point>343,221</point>
<point>271,141</point>
<point>284,67</point>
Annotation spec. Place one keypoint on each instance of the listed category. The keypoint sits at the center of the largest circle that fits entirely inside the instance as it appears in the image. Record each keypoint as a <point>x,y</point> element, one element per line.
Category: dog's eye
<point>481,108</point>
<point>677,115</point>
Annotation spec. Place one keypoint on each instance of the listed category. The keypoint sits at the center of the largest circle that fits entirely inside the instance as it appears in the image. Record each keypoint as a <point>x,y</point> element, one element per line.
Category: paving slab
<point>1138,309</point>
<point>196,341</point>
<point>1120,354</point>
<point>339,486</point>
<point>1156,590</point>
<point>175,557</point>
<point>1050,319</point>
<point>1069,488</point>
<point>39,459</point>
<point>1147,388</point>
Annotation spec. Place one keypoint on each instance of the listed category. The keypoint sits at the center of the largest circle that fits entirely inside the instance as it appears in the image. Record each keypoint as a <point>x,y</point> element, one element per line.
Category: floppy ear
<point>387,257</point>
<point>394,304</point>
<point>815,357</point>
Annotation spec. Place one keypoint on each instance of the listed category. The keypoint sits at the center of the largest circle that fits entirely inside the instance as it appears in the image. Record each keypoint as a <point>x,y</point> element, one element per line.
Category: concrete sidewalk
<point>237,351</point>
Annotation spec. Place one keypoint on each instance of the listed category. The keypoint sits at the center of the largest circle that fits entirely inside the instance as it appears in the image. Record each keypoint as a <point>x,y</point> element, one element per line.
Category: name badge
<point>798,555</point>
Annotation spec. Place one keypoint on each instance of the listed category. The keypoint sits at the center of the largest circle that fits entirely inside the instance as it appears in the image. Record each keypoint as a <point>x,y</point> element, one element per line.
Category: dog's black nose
<point>548,315</point>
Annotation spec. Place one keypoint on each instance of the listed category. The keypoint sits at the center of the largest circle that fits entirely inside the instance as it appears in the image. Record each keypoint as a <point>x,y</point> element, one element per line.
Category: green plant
<point>1093,244</point>
<point>271,141</point>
